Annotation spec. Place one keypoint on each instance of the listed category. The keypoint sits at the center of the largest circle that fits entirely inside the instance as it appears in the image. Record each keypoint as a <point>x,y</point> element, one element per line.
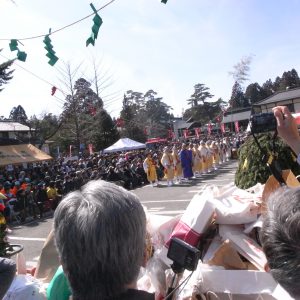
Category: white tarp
<point>124,145</point>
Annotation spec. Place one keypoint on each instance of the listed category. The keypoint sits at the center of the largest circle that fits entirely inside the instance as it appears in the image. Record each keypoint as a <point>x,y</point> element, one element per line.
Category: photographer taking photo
<point>287,128</point>
<point>280,234</point>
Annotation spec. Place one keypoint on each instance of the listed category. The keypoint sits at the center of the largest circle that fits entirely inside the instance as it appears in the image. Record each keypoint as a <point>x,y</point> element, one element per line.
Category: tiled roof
<point>12,126</point>
<point>281,96</point>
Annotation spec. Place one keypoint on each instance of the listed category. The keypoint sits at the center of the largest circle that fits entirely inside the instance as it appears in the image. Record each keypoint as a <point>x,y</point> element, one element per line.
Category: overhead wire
<point>62,28</point>
<point>38,77</point>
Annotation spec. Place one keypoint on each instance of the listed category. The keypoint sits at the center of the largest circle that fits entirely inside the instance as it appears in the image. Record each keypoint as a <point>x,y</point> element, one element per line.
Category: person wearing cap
<point>197,160</point>
<point>168,164</point>
<point>186,158</point>
<point>53,195</point>
<point>226,142</point>
<point>216,155</point>
<point>21,205</point>
<point>41,198</point>
<point>32,207</point>
<point>17,186</point>
<point>177,164</point>
<point>209,156</point>
<point>150,169</point>
<point>204,154</point>
<point>6,191</point>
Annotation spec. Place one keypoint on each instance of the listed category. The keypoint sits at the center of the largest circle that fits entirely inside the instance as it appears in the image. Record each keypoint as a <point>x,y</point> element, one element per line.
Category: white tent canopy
<point>124,145</point>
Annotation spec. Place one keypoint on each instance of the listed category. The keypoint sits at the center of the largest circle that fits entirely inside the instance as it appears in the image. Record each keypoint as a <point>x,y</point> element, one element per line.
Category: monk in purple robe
<point>186,157</point>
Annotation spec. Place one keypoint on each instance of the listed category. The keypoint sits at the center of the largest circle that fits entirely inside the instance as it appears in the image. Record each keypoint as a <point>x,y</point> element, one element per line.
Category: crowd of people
<point>100,234</point>
<point>30,190</point>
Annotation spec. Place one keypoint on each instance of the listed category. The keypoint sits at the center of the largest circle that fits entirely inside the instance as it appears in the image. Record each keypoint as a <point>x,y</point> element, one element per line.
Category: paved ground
<point>158,200</point>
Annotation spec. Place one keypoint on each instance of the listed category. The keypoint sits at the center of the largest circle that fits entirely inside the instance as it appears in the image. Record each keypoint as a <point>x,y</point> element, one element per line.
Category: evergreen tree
<point>45,128</point>
<point>208,111</point>
<point>268,88</point>
<point>5,73</point>
<point>289,80</point>
<point>238,98</point>
<point>103,131</point>
<point>200,95</point>
<point>18,114</point>
<point>254,93</point>
<point>129,113</point>
<point>143,112</point>
<point>252,169</point>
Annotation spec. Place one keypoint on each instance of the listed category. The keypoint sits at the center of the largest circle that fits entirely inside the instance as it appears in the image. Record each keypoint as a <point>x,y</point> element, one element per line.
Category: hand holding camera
<point>287,127</point>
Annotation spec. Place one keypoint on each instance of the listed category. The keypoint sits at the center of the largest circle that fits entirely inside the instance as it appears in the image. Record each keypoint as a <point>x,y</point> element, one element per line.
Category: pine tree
<point>252,169</point>
<point>268,88</point>
<point>5,73</point>
<point>18,114</point>
<point>200,95</point>
<point>237,98</point>
<point>254,93</point>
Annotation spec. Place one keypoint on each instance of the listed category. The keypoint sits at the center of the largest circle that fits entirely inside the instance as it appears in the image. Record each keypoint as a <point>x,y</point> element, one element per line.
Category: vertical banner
<point>236,126</point>
<point>197,132</point>
<point>222,127</point>
<point>185,133</point>
<point>91,149</point>
<point>209,127</point>
<point>58,153</point>
<point>70,154</point>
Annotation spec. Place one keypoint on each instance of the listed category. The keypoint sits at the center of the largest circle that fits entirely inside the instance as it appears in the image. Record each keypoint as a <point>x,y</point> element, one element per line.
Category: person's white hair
<point>100,236</point>
<point>280,237</point>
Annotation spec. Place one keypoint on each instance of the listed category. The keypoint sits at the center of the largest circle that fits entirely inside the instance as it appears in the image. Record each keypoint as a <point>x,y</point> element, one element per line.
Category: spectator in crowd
<point>7,274</point>
<point>100,233</point>
<point>280,231</point>
<point>41,198</point>
<point>281,239</point>
<point>53,196</point>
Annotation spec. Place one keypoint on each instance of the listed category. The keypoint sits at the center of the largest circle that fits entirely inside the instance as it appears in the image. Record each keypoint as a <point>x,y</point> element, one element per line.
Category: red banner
<point>223,128</point>
<point>197,132</point>
<point>236,126</point>
<point>120,122</point>
<point>171,134</point>
<point>185,133</point>
<point>209,127</point>
<point>91,149</point>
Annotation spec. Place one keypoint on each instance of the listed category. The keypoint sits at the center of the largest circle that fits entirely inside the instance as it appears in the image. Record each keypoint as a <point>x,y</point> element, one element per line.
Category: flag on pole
<point>236,126</point>
<point>90,149</point>
<point>185,133</point>
<point>197,132</point>
<point>223,128</point>
<point>171,134</point>
<point>209,127</point>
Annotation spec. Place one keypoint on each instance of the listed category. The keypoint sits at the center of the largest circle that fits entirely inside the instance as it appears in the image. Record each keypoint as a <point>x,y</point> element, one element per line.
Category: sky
<point>145,44</point>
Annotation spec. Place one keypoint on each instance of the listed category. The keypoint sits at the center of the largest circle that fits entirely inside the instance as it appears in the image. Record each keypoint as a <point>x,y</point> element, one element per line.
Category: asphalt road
<point>162,200</point>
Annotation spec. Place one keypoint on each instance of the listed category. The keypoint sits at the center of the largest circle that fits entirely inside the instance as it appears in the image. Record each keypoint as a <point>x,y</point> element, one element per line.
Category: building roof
<point>236,110</point>
<point>280,96</point>
<point>12,126</point>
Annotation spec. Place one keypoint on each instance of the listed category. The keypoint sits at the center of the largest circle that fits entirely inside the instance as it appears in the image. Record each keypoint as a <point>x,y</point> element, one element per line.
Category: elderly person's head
<point>280,238</point>
<point>100,236</point>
